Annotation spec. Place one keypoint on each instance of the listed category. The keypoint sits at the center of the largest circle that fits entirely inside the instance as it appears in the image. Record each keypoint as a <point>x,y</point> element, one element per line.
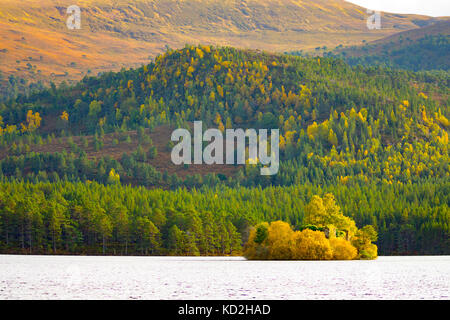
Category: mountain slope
<point>426,48</point>
<point>36,44</point>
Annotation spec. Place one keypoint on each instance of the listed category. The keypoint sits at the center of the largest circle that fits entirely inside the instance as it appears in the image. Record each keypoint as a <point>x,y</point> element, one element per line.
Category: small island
<point>326,235</point>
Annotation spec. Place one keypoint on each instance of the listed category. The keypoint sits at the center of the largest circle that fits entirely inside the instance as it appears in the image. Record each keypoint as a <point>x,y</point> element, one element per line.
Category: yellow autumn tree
<point>332,138</point>
<point>220,90</point>
<point>311,245</point>
<point>279,241</point>
<point>212,96</point>
<point>113,177</point>
<point>64,116</point>
<point>199,53</point>
<point>423,95</point>
<point>229,124</point>
<point>324,212</point>
<point>312,131</point>
<point>33,121</point>
<point>342,249</point>
<point>10,129</point>
<point>219,123</point>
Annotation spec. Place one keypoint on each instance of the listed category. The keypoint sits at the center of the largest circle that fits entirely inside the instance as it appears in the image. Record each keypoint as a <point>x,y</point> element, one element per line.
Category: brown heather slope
<point>440,27</point>
<point>36,44</point>
<point>160,138</point>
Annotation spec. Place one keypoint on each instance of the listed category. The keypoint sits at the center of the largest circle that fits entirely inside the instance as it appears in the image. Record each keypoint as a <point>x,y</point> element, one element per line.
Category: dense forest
<point>428,53</point>
<point>375,138</point>
<point>66,217</point>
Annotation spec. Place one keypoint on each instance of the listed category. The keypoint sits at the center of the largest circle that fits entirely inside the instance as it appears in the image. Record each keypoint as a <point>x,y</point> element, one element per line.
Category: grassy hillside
<point>36,44</point>
<point>375,138</point>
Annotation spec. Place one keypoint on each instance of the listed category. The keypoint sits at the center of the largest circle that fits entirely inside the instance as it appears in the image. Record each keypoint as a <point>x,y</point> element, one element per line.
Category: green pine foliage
<point>68,217</point>
<point>431,52</point>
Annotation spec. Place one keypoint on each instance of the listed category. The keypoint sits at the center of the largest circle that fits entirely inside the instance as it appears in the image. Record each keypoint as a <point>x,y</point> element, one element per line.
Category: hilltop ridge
<point>36,44</point>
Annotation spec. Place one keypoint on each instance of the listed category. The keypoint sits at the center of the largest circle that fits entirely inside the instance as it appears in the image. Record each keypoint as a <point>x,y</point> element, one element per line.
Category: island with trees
<point>327,235</point>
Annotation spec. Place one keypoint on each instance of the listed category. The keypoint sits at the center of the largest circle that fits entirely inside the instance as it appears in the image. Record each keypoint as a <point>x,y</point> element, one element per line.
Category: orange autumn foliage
<point>277,241</point>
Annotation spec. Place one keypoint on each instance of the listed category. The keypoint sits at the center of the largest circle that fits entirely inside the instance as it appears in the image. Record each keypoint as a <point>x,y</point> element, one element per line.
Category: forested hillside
<point>422,49</point>
<point>426,48</point>
<point>428,53</point>
<point>375,138</point>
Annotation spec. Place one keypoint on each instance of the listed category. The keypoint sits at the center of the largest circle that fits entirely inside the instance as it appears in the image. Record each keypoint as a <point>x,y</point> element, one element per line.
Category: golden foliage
<point>279,241</point>
<point>64,116</point>
<point>423,95</point>
<point>325,212</point>
<point>311,245</point>
<point>340,241</point>
<point>342,249</point>
<point>32,123</point>
<point>113,176</point>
